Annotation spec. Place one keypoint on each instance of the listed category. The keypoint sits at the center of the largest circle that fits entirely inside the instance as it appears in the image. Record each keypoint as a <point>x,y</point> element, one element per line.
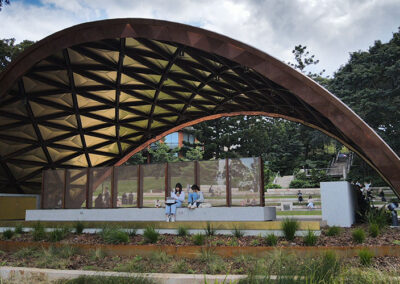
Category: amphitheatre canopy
<point>95,94</point>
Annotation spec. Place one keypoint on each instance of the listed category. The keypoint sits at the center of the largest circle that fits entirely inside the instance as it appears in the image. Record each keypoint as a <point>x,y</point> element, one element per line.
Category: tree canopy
<point>9,50</point>
<point>370,85</point>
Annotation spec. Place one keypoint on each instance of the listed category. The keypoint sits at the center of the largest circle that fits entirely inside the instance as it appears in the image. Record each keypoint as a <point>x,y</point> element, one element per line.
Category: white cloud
<point>331,29</point>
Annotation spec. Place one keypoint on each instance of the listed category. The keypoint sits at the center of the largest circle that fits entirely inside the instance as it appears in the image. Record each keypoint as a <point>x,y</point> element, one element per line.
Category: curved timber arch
<point>96,93</point>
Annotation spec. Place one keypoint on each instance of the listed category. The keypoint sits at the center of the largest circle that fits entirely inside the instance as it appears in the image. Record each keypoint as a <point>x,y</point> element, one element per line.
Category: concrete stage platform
<point>154,214</point>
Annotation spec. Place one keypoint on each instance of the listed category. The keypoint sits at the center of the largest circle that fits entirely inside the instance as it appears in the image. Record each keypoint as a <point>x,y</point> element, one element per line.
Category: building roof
<point>96,93</point>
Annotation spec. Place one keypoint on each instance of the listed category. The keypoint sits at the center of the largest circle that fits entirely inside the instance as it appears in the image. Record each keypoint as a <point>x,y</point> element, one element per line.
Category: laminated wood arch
<point>96,93</point>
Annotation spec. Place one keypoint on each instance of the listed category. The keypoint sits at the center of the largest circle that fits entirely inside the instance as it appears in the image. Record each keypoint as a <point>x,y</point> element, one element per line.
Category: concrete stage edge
<point>154,214</point>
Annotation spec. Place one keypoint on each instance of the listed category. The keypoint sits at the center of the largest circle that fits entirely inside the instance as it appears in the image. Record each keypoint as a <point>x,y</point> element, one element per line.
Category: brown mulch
<point>386,237</point>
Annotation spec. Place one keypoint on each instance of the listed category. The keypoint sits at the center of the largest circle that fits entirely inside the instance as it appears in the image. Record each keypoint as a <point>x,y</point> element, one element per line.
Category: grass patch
<point>209,230</point>
<point>182,231</point>
<point>19,229</point>
<point>79,227</point>
<point>237,232</point>
<point>58,234</point>
<point>150,235</point>
<point>97,254</point>
<point>133,232</point>
<point>271,240</point>
<point>365,256</point>
<point>114,235</point>
<point>333,231</point>
<point>136,264</point>
<point>358,236</point>
<point>198,239</point>
<point>310,239</point>
<point>373,230</point>
<point>8,234</point>
<point>38,232</point>
<point>289,228</point>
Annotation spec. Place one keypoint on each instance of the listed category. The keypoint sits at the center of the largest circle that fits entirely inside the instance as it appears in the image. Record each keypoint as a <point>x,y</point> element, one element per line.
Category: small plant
<point>289,228</point>
<point>198,239</point>
<point>237,232</point>
<point>310,239</point>
<point>97,254</point>
<point>379,216</point>
<point>114,236</point>
<point>209,230</point>
<point>358,236</point>
<point>19,229</point>
<point>271,240</point>
<point>333,231</point>
<point>58,234</point>
<point>150,235</point>
<point>133,232</point>
<point>255,242</point>
<point>38,232</point>
<point>8,234</point>
<point>79,227</point>
<point>183,231</point>
<point>233,242</point>
<point>373,230</point>
<point>365,256</point>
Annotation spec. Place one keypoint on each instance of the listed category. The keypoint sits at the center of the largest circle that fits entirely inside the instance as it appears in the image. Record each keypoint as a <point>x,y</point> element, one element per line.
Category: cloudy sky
<point>331,29</point>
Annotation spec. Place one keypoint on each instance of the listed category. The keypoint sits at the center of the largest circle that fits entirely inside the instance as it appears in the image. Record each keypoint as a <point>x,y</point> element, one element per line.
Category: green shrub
<point>8,234</point>
<point>271,240</point>
<point>38,232</point>
<point>132,232</point>
<point>272,186</point>
<point>365,256</point>
<point>298,183</point>
<point>322,269</point>
<point>182,231</point>
<point>58,234</point>
<point>333,231</point>
<point>79,227</point>
<point>310,239</point>
<point>19,229</point>
<point>209,230</point>
<point>198,239</point>
<point>289,228</point>
<point>150,235</point>
<point>373,230</point>
<point>379,216</point>
<point>358,236</point>
<point>237,232</point>
<point>114,236</point>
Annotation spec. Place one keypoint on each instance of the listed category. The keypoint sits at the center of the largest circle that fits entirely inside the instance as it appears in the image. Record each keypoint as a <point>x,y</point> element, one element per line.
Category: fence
<point>229,182</point>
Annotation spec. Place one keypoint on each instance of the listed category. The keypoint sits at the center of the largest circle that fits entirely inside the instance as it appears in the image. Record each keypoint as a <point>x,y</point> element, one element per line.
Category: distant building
<point>176,139</point>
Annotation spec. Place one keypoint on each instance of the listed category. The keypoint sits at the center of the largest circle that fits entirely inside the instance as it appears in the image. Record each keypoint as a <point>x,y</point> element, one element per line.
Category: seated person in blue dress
<point>195,198</point>
<point>173,202</point>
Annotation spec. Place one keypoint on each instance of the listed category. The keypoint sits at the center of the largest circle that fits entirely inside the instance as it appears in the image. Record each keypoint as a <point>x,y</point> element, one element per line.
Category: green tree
<point>136,159</point>
<point>304,59</point>
<point>161,153</point>
<point>194,154</point>
<point>370,85</point>
<point>9,50</point>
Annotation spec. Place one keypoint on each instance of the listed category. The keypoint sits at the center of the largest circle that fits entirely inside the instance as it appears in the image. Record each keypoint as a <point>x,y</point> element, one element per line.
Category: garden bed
<point>343,239</point>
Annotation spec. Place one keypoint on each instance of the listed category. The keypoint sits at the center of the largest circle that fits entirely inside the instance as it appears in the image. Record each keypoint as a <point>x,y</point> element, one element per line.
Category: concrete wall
<point>338,202</point>
<point>13,206</point>
<point>154,214</point>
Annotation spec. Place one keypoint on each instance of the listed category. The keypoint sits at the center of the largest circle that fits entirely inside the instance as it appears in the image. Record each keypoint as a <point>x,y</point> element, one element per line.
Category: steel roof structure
<point>97,93</point>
